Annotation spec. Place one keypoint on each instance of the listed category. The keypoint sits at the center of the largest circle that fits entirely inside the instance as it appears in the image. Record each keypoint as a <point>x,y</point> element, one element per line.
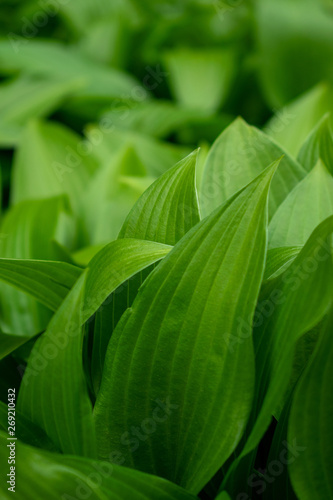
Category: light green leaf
<point>111,194</point>
<point>163,372</point>
<point>291,125</point>
<point>310,424</point>
<point>237,156</point>
<point>26,98</point>
<point>51,160</point>
<point>318,145</point>
<point>53,476</point>
<point>48,282</point>
<point>34,58</point>
<point>308,204</point>
<point>201,78</point>
<point>53,393</point>
<point>28,229</point>
<point>168,208</point>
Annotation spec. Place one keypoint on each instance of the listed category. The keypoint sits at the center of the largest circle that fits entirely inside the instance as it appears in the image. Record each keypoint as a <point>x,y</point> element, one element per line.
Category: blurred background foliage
<point>100,96</point>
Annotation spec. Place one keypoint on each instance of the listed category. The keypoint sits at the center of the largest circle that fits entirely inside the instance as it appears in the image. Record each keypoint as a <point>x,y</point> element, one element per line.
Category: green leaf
<point>29,228</point>
<point>26,98</point>
<point>48,282</point>
<point>237,156</point>
<point>51,160</point>
<point>164,373</point>
<point>289,306</point>
<point>9,343</point>
<point>291,125</point>
<point>53,476</point>
<point>310,424</point>
<point>201,78</point>
<point>308,204</point>
<point>114,264</point>
<point>53,393</point>
<point>278,259</point>
<point>318,145</point>
<point>34,58</point>
<point>168,208</point>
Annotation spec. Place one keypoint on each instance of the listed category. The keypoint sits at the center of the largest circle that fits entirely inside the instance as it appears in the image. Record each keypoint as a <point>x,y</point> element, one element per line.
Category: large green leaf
<point>51,160</point>
<point>41,474</point>
<point>319,145</point>
<point>53,393</point>
<point>168,209</point>
<point>290,305</point>
<point>308,204</point>
<point>201,78</point>
<point>170,368</point>
<point>64,412</point>
<point>29,229</point>
<point>310,424</point>
<point>291,125</point>
<point>237,156</point>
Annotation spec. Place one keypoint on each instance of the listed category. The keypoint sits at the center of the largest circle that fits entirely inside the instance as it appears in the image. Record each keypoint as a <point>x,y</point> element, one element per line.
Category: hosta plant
<point>191,356</point>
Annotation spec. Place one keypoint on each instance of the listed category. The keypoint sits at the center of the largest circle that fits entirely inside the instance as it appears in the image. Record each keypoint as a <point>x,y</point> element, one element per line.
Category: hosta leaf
<point>50,162</point>
<point>291,125</point>
<point>34,58</point>
<point>27,98</point>
<point>319,145</point>
<point>168,208</point>
<point>58,353</point>
<point>238,155</point>
<point>116,263</point>
<point>169,367</point>
<point>48,282</point>
<point>310,424</point>
<point>53,476</point>
<point>289,306</point>
<point>157,156</point>
<point>212,71</point>
<point>278,259</point>
<point>30,227</point>
<point>53,393</point>
<point>310,202</point>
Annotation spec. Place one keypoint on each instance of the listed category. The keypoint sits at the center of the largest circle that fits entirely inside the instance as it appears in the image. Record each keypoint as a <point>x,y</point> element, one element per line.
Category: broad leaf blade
<point>237,156</point>
<point>318,145</point>
<point>310,424</point>
<point>168,209</point>
<point>53,393</point>
<point>183,299</point>
<point>54,476</point>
